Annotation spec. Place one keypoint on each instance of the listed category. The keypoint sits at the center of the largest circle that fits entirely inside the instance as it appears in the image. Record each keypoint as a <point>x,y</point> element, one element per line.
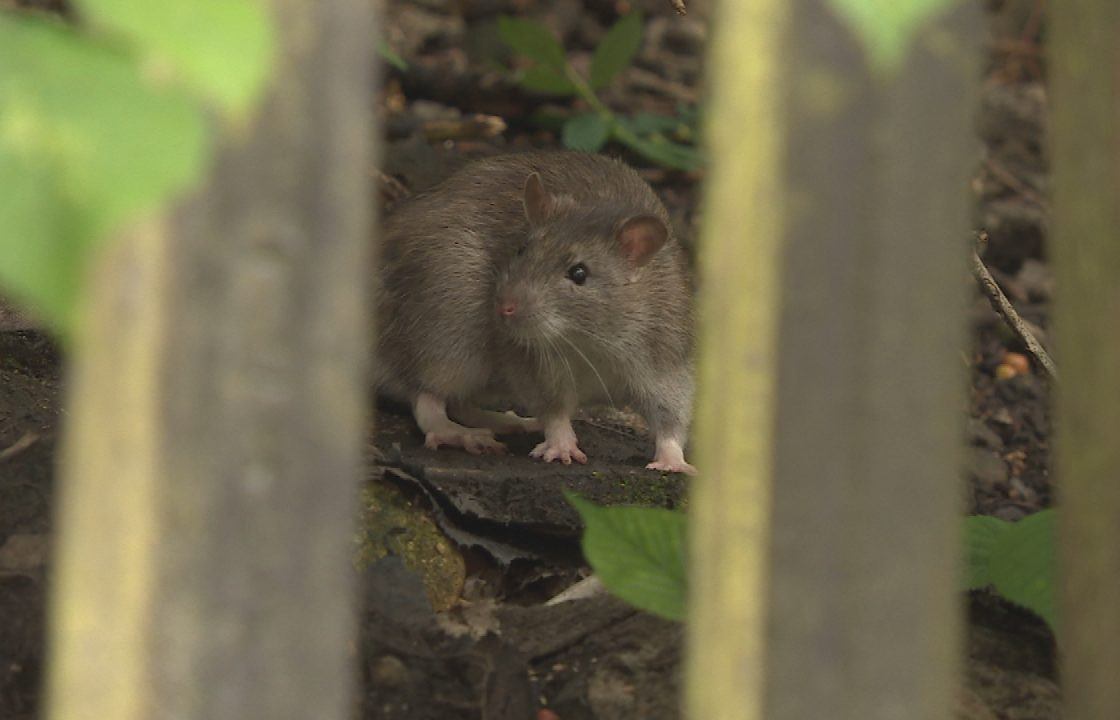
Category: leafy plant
<point>100,124</point>
<point>639,555</point>
<point>1017,559</point>
<point>646,134</point>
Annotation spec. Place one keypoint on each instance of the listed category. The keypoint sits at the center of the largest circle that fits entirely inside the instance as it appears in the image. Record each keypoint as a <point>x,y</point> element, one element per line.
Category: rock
<point>1010,513</point>
<point>1037,280</point>
<point>1013,121</point>
<point>388,671</point>
<point>412,30</point>
<point>1016,231</point>
<point>980,435</point>
<point>24,554</point>
<point>986,468</point>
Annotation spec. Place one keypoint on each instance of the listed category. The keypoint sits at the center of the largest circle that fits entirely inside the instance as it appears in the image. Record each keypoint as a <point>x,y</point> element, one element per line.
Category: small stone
<point>388,671</point>
<point>1005,372</point>
<point>24,553</point>
<point>980,435</point>
<point>1010,513</point>
<point>1037,279</point>
<point>986,468</point>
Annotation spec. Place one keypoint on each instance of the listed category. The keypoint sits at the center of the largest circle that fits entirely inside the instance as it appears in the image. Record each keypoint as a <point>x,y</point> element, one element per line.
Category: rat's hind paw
<point>564,451</point>
<point>502,423</point>
<point>674,467</point>
<point>670,457</point>
<point>476,441</point>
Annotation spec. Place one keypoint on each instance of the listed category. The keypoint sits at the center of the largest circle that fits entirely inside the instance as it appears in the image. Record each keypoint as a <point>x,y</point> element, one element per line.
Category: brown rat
<point>544,280</point>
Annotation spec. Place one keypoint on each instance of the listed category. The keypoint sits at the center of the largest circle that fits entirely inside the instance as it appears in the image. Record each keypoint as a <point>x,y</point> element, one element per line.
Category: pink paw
<point>671,466</point>
<point>564,451</point>
<point>476,441</point>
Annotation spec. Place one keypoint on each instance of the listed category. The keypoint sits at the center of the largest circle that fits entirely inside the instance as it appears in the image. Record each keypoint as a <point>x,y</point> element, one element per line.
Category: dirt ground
<point>462,553</point>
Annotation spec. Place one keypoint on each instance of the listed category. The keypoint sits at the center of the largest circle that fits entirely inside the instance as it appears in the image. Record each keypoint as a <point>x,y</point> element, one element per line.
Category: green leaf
<point>586,132</point>
<point>40,253</point>
<point>663,152</point>
<point>532,40</point>
<point>645,123</point>
<point>887,27</point>
<point>390,56</point>
<point>616,49</point>
<point>980,535</point>
<point>85,143</point>
<point>1022,564</point>
<point>541,78</point>
<point>638,553</point>
<point>221,49</point>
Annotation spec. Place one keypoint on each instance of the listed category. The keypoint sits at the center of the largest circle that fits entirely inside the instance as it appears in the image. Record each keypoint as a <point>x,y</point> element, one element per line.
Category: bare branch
<point>1005,310</point>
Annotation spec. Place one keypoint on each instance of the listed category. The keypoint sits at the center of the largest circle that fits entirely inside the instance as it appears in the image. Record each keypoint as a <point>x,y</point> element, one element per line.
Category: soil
<point>455,623</point>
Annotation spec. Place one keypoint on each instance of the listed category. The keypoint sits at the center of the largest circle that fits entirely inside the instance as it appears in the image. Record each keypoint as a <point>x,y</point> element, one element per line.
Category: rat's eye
<point>578,273</point>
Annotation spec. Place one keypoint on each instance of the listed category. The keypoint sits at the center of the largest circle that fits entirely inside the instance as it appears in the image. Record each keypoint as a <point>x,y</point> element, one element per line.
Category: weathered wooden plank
<point>1086,251</point>
<point>217,409</point>
<point>849,187</point>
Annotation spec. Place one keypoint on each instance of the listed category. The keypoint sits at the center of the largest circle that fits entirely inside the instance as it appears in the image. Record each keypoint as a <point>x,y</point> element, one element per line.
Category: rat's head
<point>579,274</point>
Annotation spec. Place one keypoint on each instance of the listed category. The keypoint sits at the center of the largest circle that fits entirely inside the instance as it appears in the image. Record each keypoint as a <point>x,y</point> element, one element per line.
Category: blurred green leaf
<point>887,27</point>
<point>586,132</point>
<point>638,553</point>
<point>221,49</point>
<point>390,56</point>
<point>663,152</point>
<point>541,78</point>
<point>980,535</point>
<point>85,143</point>
<point>616,50</point>
<point>645,123</point>
<point>533,40</point>
<point>1022,564</point>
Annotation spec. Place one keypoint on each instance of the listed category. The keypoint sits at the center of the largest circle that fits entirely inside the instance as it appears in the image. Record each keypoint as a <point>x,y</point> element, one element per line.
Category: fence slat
<point>852,448</point>
<point>216,417</point>
<point>1086,249</point>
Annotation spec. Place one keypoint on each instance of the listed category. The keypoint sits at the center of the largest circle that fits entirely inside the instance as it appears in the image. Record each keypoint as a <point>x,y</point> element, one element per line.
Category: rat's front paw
<point>476,441</point>
<point>669,466</point>
<point>564,450</point>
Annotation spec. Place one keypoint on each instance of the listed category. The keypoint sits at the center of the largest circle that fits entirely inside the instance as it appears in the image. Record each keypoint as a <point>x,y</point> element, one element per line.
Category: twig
<point>678,5</point>
<point>1005,310</point>
<point>470,127</point>
<point>26,440</point>
<point>1007,178</point>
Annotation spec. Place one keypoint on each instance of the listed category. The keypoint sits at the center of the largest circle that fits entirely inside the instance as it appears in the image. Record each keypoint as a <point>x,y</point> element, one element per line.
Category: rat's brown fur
<point>452,255</point>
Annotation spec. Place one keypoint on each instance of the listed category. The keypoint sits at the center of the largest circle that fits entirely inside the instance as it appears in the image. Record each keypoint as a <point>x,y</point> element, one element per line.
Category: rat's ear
<point>640,237</point>
<point>538,204</point>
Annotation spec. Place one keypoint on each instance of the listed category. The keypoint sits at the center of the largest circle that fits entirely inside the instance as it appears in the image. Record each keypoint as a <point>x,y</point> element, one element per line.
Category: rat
<point>544,281</point>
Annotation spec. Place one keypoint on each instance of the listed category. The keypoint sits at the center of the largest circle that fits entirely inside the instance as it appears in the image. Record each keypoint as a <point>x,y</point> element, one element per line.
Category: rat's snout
<point>507,306</point>
<point>513,302</point>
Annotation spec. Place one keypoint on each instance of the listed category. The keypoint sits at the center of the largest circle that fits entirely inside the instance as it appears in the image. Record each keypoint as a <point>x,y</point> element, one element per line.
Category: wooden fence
<point>228,371</point>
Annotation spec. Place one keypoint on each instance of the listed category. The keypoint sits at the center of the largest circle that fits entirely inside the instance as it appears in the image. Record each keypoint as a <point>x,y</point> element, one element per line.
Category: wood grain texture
<point>1086,251</point>
<point>217,410</point>
<point>826,518</point>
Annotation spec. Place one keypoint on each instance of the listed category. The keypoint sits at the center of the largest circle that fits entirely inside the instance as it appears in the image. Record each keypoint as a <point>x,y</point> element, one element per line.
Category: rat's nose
<point>506,307</point>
